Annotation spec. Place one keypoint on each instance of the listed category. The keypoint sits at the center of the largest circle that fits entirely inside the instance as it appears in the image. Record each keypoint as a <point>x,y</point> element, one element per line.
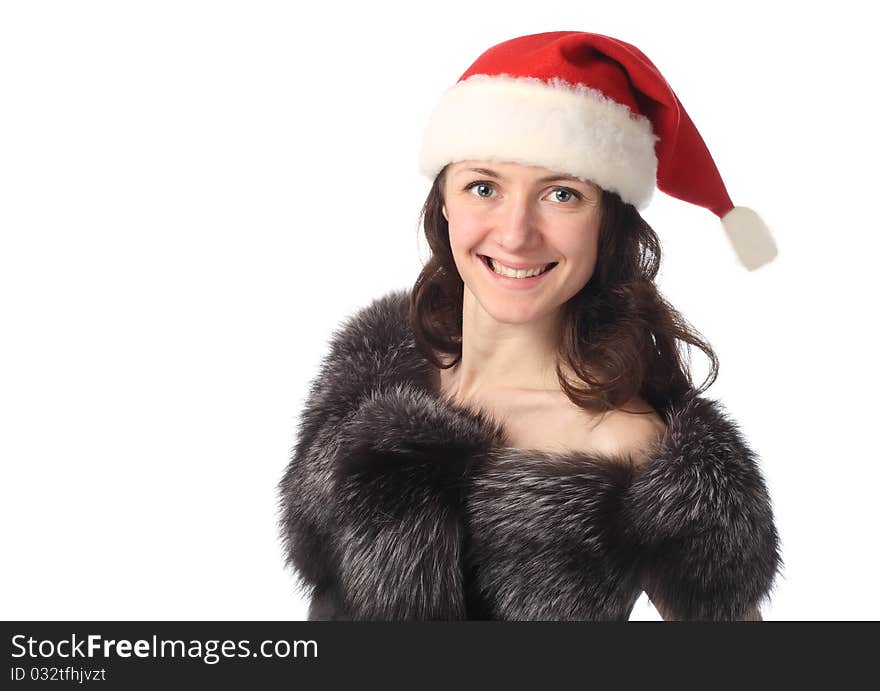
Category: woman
<point>517,437</point>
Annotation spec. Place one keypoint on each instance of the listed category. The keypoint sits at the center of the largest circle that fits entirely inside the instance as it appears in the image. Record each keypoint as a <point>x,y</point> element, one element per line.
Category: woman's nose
<point>517,221</point>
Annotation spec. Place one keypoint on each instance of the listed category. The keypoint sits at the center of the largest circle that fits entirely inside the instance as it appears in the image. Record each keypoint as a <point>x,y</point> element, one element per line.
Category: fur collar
<point>395,505</point>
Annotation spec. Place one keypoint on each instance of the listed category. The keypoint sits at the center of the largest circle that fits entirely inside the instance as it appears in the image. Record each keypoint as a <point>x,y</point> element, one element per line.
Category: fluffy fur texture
<point>557,125</point>
<point>395,505</point>
<point>749,236</point>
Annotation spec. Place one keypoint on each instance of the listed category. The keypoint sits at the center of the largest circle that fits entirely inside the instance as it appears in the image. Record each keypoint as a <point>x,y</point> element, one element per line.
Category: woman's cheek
<point>464,235</point>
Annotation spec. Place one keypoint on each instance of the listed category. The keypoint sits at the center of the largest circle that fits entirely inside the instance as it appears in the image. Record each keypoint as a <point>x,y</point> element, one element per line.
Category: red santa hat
<point>593,107</point>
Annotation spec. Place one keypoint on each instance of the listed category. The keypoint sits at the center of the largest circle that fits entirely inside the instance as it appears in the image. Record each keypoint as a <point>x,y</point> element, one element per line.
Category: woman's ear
<point>444,213</point>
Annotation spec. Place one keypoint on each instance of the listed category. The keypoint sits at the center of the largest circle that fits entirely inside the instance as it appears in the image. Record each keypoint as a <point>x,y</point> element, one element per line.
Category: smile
<point>520,278</point>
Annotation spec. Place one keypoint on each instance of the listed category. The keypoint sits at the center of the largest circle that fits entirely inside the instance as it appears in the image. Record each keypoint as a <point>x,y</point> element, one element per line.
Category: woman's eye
<point>484,191</point>
<point>478,185</point>
<point>567,194</point>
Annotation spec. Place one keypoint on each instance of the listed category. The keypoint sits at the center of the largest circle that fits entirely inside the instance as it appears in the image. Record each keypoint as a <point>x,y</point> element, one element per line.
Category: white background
<point>194,194</point>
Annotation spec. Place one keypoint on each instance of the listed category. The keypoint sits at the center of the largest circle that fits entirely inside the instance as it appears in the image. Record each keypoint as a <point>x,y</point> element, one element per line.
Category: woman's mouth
<point>516,277</point>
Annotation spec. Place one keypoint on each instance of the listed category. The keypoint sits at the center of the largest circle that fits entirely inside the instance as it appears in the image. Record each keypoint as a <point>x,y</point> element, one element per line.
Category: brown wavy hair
<point>619,335</point>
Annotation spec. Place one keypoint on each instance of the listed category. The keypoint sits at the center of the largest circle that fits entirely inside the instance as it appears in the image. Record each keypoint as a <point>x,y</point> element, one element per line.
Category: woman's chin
<point>504,309</point>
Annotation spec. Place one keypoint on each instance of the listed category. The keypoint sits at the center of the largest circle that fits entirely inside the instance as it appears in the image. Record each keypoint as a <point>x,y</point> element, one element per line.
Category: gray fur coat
<point>397,506</point>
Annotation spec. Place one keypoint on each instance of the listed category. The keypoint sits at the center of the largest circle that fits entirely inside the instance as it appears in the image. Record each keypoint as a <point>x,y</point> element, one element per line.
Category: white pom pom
<point>750,237</point>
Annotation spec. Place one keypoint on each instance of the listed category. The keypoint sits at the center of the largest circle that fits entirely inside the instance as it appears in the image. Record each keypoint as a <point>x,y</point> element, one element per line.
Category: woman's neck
<point>501,357</point>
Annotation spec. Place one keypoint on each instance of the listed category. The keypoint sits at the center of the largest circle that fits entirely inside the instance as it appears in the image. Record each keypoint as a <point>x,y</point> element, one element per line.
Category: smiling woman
<point>598,332</point>
<point>519,225</point>
<point>518,435</point>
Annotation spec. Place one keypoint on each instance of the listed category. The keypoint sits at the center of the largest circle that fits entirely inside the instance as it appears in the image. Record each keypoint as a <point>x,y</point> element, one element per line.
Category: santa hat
<point>593,107</point>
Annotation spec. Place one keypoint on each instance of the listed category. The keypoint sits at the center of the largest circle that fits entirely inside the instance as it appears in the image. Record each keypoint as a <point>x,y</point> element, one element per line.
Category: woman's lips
<point>519,265</point>
<point>510,282</point>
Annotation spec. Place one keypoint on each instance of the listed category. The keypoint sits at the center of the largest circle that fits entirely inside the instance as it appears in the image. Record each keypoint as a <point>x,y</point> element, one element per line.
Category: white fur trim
<point>565,127</point>
<point>750,237</point>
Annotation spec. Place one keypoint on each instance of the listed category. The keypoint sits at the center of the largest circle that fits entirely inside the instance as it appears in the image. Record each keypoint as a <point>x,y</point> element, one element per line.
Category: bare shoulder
<point>631,432</point>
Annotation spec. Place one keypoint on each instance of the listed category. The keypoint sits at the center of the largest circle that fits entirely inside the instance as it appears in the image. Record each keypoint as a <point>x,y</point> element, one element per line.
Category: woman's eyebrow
<point>547,178</point>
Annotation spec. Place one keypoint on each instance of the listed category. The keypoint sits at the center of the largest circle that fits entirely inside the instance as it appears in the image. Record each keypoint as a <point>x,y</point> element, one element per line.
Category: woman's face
<point>525,216</point>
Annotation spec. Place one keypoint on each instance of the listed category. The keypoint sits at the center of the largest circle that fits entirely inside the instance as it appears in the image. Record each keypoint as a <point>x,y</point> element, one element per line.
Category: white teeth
<point>499,268</point>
